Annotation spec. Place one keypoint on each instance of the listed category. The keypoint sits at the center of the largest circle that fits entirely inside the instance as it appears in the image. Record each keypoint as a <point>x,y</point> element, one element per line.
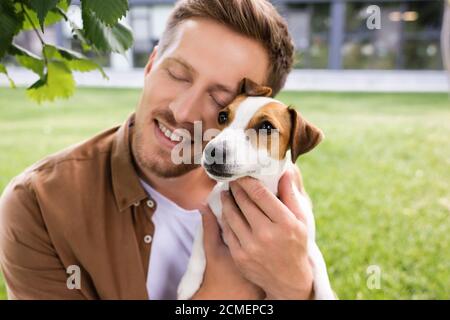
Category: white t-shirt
<point>175,229</point>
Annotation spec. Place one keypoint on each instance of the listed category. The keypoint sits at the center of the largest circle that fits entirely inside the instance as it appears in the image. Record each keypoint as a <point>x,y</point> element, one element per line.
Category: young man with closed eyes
<point>124,214</point>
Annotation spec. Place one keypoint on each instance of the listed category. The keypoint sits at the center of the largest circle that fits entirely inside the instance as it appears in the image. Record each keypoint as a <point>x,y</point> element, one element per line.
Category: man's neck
<point>188,191</point>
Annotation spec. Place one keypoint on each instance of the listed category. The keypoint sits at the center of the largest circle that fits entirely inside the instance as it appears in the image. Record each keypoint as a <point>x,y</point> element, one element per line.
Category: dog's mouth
<point>223,172</point>
<point>218,170</point>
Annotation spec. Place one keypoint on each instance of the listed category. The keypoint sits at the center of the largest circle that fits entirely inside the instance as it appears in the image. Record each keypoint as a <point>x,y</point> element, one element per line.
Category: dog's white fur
<point>269,174</point>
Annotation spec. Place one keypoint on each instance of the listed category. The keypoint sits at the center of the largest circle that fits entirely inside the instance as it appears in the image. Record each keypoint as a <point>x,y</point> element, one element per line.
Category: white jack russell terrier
<point>245,155</point>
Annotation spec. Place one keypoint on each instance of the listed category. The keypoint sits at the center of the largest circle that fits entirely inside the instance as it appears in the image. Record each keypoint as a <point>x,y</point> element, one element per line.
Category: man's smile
<point>166,136</point>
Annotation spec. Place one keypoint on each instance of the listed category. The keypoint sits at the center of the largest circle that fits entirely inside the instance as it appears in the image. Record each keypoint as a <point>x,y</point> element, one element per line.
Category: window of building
<point>408,38</point>
<point>309,26</point>
<point>141,23</point>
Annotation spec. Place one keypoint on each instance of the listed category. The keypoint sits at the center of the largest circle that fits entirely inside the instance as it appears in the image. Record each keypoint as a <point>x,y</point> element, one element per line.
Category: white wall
<point>160,14</point>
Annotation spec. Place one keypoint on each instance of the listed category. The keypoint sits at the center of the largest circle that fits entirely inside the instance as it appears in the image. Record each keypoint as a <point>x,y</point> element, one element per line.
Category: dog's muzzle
<point>215,160</point>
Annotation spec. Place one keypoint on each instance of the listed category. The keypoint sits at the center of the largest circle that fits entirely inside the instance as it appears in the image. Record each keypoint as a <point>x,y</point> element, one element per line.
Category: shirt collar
<point>166,202</point>
<point>125,180</point>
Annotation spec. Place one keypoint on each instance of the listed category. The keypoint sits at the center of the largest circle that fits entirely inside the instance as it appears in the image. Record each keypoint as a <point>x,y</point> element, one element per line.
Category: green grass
<point>380,181</point>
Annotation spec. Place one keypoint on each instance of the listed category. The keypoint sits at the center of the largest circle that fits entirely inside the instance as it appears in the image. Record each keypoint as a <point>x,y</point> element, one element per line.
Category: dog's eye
<point>267,127</point>
<point>223,117</point>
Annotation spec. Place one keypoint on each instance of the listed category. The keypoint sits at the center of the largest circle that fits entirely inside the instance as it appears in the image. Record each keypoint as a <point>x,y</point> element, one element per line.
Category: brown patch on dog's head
<point>247,88</point>
<point>304,135</point>
<point>294,132</point>
<point>252,89</point>
<point>275,114</point>
<point>230,110</point>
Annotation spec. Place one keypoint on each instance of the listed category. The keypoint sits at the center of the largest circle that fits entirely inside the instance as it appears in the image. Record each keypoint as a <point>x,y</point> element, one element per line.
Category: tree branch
<point>32,24</point>
<point>62,13</point>
<point>36,31</point>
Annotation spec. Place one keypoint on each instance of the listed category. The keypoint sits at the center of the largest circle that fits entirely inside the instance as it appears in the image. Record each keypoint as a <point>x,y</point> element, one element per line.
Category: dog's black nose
<point>216,154</point>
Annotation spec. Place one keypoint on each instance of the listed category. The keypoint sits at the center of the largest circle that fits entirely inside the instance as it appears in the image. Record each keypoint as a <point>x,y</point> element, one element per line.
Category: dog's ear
<point>252,89</point>
<point>304,135</point>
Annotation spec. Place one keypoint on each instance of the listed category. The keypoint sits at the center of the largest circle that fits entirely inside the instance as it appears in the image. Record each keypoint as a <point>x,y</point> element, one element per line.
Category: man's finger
<point>234,217</point>
<point>296,176</point>
<point>211,229</point>
<point>291,197</point>
<point>272,207</point>
<point>230,238</point>
<point>255,218</point>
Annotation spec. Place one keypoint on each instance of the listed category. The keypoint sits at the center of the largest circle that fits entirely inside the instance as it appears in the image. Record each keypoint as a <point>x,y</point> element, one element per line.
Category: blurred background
<point>332,39</point>
<point>380,181</point>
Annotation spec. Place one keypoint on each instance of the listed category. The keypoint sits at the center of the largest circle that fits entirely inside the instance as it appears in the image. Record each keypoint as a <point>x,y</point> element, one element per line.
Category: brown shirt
<point>83,206</point>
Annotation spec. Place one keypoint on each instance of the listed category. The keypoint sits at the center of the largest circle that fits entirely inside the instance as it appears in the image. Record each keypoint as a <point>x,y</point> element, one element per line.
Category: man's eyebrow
<point>182,62</point>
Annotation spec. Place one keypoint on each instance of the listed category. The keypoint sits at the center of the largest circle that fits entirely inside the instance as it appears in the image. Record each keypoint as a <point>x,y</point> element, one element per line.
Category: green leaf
<point>27,59</point>
<point>117,38</point>
<point>74,60</point>
<point>64,5</point>
<point>4,71</point>
<point>52,17</point>
<point>42,8</point>
<point>84,65</point>
<point>109,12</point>
<point>10,24</point>
<point>58,82</point>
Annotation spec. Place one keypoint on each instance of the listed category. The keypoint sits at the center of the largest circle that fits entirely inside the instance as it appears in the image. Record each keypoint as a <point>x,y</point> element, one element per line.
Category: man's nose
<point>187,107</point>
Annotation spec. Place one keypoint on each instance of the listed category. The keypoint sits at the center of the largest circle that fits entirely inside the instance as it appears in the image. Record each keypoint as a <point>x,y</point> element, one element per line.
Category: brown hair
<point>256,19</point>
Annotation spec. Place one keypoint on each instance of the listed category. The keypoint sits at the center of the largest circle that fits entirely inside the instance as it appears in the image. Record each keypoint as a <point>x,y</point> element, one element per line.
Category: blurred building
<point>335,35</point>
<point>328,34</point>
<point>364,45</point>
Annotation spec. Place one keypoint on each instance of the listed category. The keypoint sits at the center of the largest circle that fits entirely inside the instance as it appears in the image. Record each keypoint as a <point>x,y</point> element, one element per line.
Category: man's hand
<point>267,237</point>
<point>222,279</point>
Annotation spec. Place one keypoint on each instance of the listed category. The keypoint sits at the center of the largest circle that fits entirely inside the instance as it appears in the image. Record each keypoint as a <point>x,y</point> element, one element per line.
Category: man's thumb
<point>211,230</point>
<point>290,195</point>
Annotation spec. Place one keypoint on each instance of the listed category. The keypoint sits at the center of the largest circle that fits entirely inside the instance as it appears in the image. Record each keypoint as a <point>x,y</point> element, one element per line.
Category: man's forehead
<point>211,48</point>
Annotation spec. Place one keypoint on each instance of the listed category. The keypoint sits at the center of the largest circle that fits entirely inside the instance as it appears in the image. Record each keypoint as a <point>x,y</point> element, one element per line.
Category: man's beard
<point>159,161</point>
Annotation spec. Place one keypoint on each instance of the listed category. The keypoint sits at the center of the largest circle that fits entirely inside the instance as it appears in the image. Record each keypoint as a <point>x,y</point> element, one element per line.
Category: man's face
<point>192,80</point>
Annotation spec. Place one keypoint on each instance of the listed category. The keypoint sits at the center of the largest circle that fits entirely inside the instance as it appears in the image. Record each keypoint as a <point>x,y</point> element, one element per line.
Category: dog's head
<point>259,134</point>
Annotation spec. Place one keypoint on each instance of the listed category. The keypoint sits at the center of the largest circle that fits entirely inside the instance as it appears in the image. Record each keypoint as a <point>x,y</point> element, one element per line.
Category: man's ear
<point>151,60</point>
<point>252,89</point>
<point>304,135</point>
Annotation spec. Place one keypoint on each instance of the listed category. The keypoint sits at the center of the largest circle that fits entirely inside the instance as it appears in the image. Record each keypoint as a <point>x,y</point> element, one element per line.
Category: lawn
<point>380,181</point>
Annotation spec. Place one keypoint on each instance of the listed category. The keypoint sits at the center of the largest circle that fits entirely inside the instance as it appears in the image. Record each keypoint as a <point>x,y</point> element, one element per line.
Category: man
<point>114,217</point>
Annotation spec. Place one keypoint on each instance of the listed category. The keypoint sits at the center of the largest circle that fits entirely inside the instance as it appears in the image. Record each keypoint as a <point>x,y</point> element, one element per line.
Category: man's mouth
<point>166,137</point>
<point>170,134</point>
